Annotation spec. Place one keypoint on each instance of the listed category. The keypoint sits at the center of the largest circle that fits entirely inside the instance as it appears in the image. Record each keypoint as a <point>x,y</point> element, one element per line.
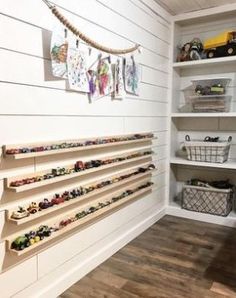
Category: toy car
<point>29,180</point>
<point>20,243</point>
<point>96,163</point>
<point>79,166</point>
<point>48,176</point>
<point>57,200</point>
<point>81,214</point>
<point>39,178</point>
<point>25,150</point>
<point>17,183</point>
<point>20,213</point>
<point>32,237</point>
<point>43,231</point>
<point>45,204</point>
<point>33,208</point>
<point>58,171</point>
<point>221,45</point>
<point>65,223</point>
<point>217,89</point>
<point>12,151</point>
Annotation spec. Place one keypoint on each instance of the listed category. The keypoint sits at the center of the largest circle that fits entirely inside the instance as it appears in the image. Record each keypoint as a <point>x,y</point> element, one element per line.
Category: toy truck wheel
<point>231,50</point>
<point>21,247</point>
<point>211,54</point>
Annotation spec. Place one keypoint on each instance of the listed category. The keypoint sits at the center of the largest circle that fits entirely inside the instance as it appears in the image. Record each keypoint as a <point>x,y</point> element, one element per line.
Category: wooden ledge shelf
<point>87,220</point>
<point>68,150</point>
<point>69,176</point>
<point>81,198</point>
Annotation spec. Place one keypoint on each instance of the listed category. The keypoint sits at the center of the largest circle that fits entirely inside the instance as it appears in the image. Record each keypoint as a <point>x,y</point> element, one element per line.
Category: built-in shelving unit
<point>184,121</point>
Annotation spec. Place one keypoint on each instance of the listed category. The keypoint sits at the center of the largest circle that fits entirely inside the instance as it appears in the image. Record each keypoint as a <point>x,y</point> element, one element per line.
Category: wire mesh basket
<point>207,200</point>
<point>207,151</point>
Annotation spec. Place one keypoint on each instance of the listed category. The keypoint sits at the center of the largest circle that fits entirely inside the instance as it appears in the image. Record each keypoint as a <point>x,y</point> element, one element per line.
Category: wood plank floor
<point>174,258</point>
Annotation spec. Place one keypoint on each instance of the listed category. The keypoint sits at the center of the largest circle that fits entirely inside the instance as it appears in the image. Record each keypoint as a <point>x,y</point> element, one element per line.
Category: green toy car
<point>20,243</point>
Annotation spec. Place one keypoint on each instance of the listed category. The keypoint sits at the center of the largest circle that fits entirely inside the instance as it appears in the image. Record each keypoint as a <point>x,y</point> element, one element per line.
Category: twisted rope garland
<point>85,38</point>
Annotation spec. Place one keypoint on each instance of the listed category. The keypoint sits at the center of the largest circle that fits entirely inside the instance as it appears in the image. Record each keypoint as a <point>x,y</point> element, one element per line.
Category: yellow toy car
<point>221,45</point>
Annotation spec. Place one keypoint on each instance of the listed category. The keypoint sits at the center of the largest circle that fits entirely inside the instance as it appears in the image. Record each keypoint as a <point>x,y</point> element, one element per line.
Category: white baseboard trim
<point>229,221</point>
<point>55,283</point>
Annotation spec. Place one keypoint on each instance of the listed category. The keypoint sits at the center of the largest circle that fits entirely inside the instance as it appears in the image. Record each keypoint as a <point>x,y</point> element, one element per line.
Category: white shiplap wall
<point>36,107</point>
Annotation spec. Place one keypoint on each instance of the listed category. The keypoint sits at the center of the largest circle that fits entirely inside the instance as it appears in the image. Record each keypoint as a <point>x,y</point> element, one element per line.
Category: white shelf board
<point>230,164</point>
<point>195,115</point>
<point>175,210</point>
<point>205,62</point>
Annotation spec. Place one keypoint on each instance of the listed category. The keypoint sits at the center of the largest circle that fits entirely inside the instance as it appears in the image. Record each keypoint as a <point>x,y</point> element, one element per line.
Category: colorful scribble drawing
<point>119,89</point>
<point>92,74</point>
<point>59,49</point>
<point>77,70</point>
<point>100,78</point>
<point>132,74</point>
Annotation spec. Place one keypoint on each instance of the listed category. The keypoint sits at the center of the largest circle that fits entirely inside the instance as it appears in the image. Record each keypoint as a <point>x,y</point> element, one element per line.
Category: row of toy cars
<point>72,194</point>
<point>34,236</point>
<point>65,145</point>
<point>79,166</point>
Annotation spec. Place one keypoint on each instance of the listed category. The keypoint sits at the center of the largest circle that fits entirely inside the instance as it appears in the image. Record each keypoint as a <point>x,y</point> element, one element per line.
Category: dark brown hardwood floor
<point>174,258</point>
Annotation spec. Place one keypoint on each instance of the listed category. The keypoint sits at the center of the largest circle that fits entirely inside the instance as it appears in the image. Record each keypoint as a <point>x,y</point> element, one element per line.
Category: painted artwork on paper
<point>118,80</point>
<point>100,78</point>
<point>59,49</point>
<point>132,76</point>
<point>77,70</point>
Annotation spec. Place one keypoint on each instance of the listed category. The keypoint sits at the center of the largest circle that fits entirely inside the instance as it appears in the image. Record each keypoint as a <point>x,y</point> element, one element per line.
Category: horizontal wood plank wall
<point>36,107</point>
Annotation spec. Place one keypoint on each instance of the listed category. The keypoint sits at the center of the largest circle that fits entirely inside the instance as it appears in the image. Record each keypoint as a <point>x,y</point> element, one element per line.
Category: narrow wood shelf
<point>213,62</point>
<point>81,199</point>
<point>69,176</point>
<point>230,164</point>
<point>68,150</point>
<point>87,220</point>
<point>203,115</point>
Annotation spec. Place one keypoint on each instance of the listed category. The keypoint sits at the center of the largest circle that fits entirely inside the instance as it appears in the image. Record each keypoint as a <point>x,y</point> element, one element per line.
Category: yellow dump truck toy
<point>221,45</point>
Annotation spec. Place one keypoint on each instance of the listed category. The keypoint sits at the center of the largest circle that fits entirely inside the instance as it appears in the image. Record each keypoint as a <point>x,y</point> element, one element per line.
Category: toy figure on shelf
<point>196,48</point>
<point>191,51</point>
<point>184,54</point>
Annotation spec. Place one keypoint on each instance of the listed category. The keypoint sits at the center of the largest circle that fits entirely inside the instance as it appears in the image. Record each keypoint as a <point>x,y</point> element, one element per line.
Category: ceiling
<point>181,6</point>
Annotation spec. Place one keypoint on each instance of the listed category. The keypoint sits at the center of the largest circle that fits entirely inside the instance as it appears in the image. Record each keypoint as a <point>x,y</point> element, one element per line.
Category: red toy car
<point>57,200</point>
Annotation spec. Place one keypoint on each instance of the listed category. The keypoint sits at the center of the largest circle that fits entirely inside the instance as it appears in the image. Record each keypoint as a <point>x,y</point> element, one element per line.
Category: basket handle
<point>207,139</point>
<point>229,138</point>
<point>187,138</point>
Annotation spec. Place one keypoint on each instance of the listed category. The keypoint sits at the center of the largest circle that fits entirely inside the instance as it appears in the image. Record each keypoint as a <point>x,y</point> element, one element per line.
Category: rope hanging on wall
<point>85,38</point>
